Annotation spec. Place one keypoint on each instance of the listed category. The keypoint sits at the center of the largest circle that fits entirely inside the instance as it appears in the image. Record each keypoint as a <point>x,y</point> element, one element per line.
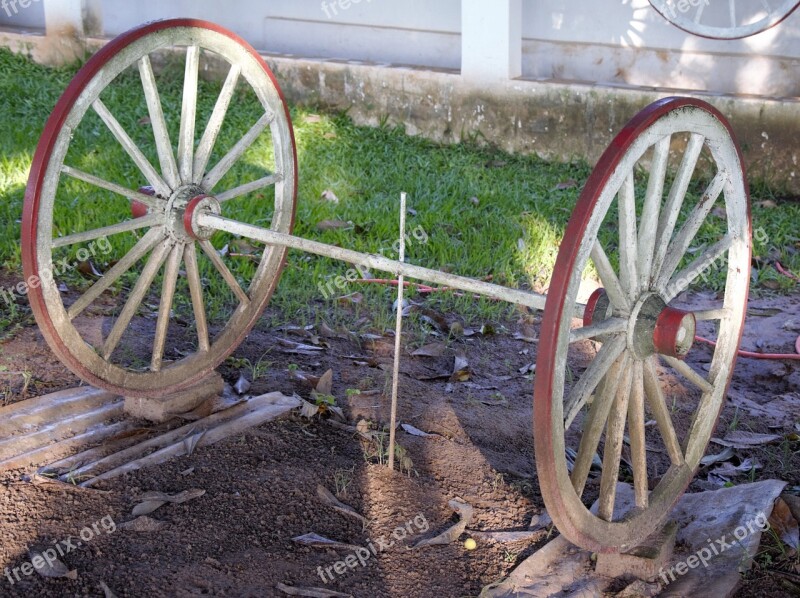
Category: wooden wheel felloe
<point>635,336</point>
<point>176,162</point>
<point>733,19</point>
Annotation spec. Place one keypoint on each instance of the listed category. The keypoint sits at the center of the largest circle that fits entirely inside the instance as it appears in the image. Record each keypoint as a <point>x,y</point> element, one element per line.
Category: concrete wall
<point>611,42</point>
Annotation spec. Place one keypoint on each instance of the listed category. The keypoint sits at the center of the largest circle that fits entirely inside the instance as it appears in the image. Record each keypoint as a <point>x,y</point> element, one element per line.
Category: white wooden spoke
<point>147,170</point>
<point>732,4</point>
<point>672,208</point>
<point>209,138</point>
<point>135,299</point>
<point>609,326</point>
<point>677,248</point>
<point>587,383</point>
<point>685,370</point>
<point>196,292</point>
<point>648,225</point>
<point>236,152</point>
<point>107,231</point>
<point>681,281</point>
<point>636,432</point>
<point>612,451</point>
<point>249,187</point>
<point>595,423</point>
<point>226,274</point>
<point>188,115</point>
<point>711,314</point>
<point>609,278</point>
<point>165,307</point>
<point>166,157</point>
<point>628,242</point>
<point>148,200</point>
<point>658,407</point>
<point>142,247</point>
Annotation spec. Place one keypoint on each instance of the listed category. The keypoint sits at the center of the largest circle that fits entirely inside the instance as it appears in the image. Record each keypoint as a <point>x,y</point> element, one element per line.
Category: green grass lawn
<point>511,230</point>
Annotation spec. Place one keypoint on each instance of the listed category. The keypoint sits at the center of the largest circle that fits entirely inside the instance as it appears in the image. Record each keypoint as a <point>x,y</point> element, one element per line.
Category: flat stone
<point>161,409</point>
<point>644,561</point>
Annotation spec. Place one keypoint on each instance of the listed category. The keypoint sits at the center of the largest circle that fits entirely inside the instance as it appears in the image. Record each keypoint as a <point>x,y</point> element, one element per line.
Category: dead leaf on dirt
<point>568,184</point>
<point>461,370</point>
<point>743,440</point>
<point>728,470</point>
<point>351,299</point>
<point>143,524</point>
<point>527,369</point>
<point>540,522</point>
<point>430,350</point>
<point>245,248</point>
<point>330,196</point>
<point>769,204</point>
<point>293,348</point>
<point>785,525</point>
<point>333,225</point>
<point>242,384</point>
<point>408,428</point>
<point>317,541</point>
<point>308,410</point>
<point>452,534</point>
<point>527,331</point>
<point>725,455</point>
<point>47,567</point>
<point>432,317</point>
<point>311,592</point>
<point>325,384</point>
<point>327,497</point>
<point>107,593</point>
<point>89,270</point>
<point>772,285</point>
<point>154,500</point>
<point>190,442</point>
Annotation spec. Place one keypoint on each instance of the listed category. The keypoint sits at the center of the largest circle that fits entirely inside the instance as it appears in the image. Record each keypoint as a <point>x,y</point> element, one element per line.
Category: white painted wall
<point>611,42</point>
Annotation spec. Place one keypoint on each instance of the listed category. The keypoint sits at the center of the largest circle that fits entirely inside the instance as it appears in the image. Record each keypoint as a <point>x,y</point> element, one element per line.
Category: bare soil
<point>236,540</point>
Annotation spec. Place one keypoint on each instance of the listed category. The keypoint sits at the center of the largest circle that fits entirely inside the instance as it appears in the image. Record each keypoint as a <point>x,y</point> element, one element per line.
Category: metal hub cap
<point>657,328</point>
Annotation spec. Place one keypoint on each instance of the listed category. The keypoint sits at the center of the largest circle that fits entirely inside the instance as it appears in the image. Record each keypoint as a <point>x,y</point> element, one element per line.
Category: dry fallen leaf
<point>416,431</point>
<point>430,350</point>
<point>311,592</point>
<point>785,525</point>
<point>242,384</point>
<point>352,298</point>
<point>325,384</point>
<point>333,224</point>
<point>317,541</point>
<point>329,195</point>
<point>329,499</point>
<point>768,204</point>
<point>452,534</point>
<point>143,524</point>
<point>461,371</point>
<point>743,440</point>
<point>50,566</point>
<point>726,454</point>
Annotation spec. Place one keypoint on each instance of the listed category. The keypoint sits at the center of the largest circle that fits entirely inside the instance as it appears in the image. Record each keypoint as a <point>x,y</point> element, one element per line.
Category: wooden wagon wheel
<point>719,20</point>
<point>643,338</point>
<point>168,183</point>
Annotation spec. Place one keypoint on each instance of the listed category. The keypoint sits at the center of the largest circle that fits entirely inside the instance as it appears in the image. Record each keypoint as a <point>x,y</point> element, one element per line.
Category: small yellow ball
<point>470,544</point>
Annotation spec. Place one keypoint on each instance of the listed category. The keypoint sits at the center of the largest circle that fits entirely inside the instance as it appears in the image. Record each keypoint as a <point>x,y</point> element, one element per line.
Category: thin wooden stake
<point>398,331</point>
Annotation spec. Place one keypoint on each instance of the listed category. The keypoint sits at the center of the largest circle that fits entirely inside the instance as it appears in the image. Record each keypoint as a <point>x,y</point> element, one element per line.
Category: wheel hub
<point>656,327</point>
